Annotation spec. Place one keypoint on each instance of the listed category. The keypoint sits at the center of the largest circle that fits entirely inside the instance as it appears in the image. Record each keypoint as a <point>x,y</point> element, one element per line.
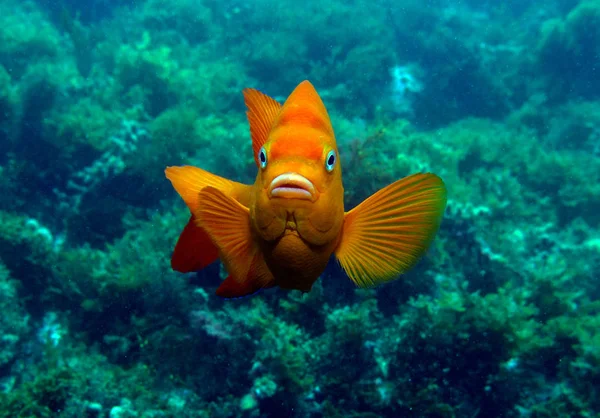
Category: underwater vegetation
<point>501,317</point>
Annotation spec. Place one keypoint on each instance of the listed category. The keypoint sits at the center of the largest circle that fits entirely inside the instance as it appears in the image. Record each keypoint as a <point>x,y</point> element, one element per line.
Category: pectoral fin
<point>387,233</point>
<point>194,249</point>
<point>188,181</point>
<point>228,224</point>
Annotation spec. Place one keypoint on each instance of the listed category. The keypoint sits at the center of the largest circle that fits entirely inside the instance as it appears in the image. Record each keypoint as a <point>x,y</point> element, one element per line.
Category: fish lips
<point>292,186</point>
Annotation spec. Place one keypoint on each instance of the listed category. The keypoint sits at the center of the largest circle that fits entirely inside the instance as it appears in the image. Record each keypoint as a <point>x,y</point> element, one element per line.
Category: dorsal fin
<point>262,112</point>
<point>304,106</point>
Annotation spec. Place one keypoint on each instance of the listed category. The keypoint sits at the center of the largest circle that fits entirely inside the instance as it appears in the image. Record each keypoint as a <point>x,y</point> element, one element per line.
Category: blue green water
<point>500,318</point>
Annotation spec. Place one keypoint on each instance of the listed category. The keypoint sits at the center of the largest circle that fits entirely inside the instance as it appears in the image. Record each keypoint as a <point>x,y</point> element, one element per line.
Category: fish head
<point>298,188</point>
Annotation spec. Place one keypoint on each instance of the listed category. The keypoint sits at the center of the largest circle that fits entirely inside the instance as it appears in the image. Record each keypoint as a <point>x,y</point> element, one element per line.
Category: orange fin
<point>262,112</point>
<point>194,249</point>
<point>228,224</point>
<point>386,234</point>
<point>188,181</point>
<point>230,288</point>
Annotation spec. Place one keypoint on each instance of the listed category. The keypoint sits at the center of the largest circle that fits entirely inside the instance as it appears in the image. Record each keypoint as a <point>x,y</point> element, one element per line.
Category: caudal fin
<point>194,249</point>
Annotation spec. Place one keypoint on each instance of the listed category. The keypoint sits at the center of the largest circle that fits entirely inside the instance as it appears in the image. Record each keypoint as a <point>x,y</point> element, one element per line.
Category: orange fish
<point>283,229</point>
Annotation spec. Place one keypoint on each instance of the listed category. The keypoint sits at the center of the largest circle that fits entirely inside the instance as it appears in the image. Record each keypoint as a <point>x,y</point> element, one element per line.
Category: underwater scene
<point>343,209</point>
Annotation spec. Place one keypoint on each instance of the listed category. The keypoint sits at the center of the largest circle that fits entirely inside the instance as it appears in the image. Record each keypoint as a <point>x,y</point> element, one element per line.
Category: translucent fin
<point>386,234</point>
<point>188,181</point>
<point>228,224</point>
<point>194,249</point>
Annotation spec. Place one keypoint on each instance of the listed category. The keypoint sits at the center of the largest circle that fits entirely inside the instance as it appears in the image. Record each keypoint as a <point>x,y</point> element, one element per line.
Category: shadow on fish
<point>283,229</point>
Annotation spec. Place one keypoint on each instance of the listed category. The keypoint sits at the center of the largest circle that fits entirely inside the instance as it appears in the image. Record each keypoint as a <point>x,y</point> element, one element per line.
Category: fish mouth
<point>292,186</point>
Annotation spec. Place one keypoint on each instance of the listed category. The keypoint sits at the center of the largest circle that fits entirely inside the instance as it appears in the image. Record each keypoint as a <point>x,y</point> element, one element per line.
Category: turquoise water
<point>500,317</point>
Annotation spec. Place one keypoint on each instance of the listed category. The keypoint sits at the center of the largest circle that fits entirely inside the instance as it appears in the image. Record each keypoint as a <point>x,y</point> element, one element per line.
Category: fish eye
<point>330,161</point>
<point>262,157</point>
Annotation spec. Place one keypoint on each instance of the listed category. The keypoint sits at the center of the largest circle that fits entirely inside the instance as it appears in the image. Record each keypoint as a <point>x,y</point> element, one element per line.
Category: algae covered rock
<point>14,322</point>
